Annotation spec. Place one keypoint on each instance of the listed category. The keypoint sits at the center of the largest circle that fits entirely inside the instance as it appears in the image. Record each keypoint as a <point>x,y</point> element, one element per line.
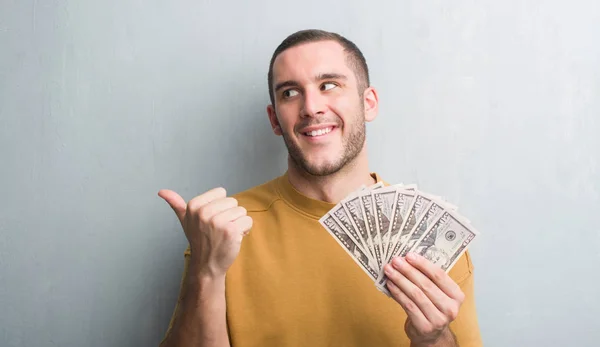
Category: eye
<point>289,93</point>
<point>327,86</point>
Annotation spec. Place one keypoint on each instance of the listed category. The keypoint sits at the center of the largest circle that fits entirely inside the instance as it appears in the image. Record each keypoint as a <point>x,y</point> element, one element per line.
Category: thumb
<point>175,201</point>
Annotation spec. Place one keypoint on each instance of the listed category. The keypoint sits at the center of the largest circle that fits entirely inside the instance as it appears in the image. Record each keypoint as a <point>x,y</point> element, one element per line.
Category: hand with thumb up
<point>214,225</point>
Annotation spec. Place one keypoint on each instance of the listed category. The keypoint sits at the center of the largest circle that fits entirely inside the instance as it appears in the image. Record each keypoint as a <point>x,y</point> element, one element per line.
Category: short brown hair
<point>356,60</point>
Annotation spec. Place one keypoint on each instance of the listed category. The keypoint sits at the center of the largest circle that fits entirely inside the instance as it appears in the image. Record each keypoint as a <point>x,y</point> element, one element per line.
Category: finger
<point>215,207</point>
<point>413,312</point>
<point>243,224</point>
<point>417,296</point>
<point>206,197</point>
<point>229,215</point>
<point>442,302</point>
<point>175,201</point>
<point>436,275</point>
<point>238,228</point>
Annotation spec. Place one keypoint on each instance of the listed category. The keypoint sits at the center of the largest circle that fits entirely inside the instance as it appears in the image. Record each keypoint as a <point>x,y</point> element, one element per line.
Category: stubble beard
<point>352,146</point>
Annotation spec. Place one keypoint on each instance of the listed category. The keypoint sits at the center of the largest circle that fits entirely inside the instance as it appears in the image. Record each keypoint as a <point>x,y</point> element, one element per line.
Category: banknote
<point>374,233</point>
<point>418,207</point>
<point>401,204</point>
<point>335,229</point>
<point>434,210</point>
<point>446,240</point>
<point>353,207</point>
<point>345,220</point>
<point>384,200</point>
<point>375,223</point>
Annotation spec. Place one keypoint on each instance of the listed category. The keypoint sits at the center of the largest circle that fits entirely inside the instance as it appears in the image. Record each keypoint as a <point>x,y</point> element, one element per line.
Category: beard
<point>352,145</point>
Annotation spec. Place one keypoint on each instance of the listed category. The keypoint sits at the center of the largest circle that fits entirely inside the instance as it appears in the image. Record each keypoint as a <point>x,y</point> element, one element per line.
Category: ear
<point>274,121</point>
<point>371,101</point>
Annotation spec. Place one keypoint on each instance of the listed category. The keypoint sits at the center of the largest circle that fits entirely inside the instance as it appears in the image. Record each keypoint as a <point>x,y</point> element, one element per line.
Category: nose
<point>314,103</point>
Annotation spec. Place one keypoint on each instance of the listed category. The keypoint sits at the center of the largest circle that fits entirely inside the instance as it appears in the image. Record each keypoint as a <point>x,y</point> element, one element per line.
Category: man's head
<point>355,59</point>
<point>320,99</point>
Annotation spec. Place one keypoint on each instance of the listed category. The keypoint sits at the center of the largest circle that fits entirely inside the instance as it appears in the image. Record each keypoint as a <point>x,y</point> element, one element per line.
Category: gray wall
<point>493,104</point>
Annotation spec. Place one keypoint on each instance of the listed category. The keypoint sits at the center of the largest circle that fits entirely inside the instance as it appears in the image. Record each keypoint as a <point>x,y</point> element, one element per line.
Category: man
<point>287,283</point>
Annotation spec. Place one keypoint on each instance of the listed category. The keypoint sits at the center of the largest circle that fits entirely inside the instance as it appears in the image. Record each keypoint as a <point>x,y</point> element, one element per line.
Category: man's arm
<point>214,225</point>
<point>199,317</point>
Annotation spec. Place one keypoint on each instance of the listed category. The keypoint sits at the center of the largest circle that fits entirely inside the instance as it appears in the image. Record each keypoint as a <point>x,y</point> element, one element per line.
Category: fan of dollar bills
<point>377,223</point>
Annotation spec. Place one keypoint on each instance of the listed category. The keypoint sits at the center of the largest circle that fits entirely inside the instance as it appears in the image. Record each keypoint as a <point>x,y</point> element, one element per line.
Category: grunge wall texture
<point>493,104</point>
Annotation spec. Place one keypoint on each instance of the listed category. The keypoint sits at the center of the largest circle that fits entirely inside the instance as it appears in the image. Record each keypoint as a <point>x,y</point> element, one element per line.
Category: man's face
<point>318,109</point>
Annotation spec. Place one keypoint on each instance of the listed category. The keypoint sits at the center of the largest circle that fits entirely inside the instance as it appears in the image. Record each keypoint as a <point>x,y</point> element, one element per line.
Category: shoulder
<point>260,197</point>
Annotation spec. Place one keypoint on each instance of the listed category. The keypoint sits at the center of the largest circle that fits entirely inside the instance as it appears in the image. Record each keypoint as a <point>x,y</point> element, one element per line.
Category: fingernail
<point>411,256</point>
<point>398,261</point>
<point>387,270</point>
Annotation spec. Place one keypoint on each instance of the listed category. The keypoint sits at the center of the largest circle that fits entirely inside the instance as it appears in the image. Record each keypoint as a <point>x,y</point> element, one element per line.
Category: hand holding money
<point>214,225</point>
<point>377,224</point>
<point>429,296</point>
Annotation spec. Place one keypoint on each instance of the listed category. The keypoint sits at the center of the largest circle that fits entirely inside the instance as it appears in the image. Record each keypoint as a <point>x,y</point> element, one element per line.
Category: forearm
<point>200,320</point>
<point>446,339</point>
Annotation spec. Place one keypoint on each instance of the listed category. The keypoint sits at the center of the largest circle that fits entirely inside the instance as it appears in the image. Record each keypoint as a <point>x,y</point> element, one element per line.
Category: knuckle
<point>418,296</point>
<point>230,229</point>
<point>238,212</point>
<point>439,323</point>
<point>452,312</point>
<point>394,277</point>
<point>410,306</point>
<point>396,294</point>
<point>204,214</point>
<point>193,204</point>
<point>395,291</point>
<point>247,222</point>
<point>218,191</point>
<point>218,221</point>
<point>460,296</point>
<point>437,275</point>
<point>428,329</point>
<point>231,201</point>
<point>428,287</point>
<point>416,258</point>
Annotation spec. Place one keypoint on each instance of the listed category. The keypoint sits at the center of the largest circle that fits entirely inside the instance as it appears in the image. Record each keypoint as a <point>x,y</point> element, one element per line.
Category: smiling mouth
<point>319,132</point>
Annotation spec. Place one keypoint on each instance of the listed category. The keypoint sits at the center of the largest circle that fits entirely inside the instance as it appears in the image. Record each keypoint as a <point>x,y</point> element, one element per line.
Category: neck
<point>332,188</point>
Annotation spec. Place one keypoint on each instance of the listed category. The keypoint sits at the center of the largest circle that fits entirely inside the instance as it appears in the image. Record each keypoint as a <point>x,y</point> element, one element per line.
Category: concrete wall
<point>494,105</point>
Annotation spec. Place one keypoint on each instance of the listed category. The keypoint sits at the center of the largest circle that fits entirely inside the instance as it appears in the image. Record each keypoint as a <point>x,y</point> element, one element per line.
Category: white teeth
<point>319,132</point>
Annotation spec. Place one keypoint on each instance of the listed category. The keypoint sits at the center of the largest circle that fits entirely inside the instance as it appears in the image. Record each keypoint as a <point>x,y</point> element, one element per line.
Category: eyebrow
<point>320,77</point>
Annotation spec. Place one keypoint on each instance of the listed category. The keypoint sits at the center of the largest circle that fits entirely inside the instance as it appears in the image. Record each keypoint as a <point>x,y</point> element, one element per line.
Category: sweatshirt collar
<point>312,207</point>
